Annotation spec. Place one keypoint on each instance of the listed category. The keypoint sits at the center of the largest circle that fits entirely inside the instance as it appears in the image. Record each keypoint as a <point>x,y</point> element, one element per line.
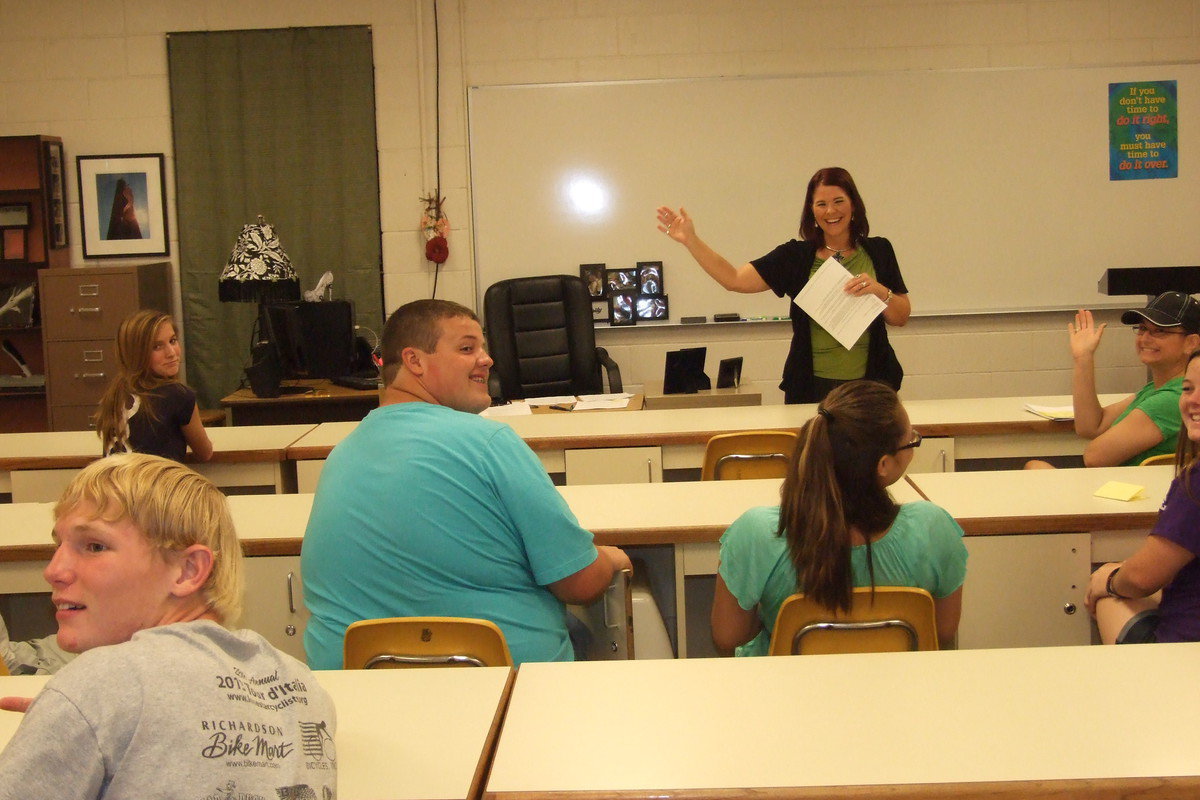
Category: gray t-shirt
<point>189,710</point>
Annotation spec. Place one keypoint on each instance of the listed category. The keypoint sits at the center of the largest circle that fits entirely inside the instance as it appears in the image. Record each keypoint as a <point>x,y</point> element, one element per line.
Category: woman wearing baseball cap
<point>1145,424</point>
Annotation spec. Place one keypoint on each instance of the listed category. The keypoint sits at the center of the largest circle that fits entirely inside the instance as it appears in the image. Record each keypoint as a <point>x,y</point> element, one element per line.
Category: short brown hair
<point>416,324</point>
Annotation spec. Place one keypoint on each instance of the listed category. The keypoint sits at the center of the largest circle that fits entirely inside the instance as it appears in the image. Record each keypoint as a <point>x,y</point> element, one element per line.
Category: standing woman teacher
<point>832,225</point>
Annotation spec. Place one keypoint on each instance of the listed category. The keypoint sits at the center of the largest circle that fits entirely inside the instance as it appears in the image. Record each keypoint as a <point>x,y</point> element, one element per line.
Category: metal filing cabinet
<point>81,311</point>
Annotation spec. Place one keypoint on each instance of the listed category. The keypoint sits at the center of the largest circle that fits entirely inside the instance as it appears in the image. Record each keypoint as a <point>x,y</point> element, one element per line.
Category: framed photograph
<point>593,276</point>
<point>622,308</point>
<point>599,311</point>
<point>650,277</point>
<point>729,373</point>
<point>14,231</point>
<point>622,280</point>
<point>123,205</point>
<point>56,194</point>
<point>652,307</point>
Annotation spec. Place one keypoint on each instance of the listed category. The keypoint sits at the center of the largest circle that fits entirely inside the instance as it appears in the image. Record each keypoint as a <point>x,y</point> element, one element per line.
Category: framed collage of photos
<point>626,295</point>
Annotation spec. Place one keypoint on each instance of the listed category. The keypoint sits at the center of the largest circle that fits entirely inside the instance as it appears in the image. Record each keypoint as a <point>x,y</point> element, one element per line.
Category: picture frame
<point>729,373</point>
<point>599,311</point>
<point>622,308</point>
<point>56,195</point>
<point>595,279</point>
<point>123,205</point>
<point>624,279</point>
<point>652,307</point>
<point>650,278</point>
<point>14,231</point>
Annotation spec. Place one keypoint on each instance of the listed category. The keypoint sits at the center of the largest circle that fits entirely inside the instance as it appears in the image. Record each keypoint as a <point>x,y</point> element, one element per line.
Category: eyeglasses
<point>1155,333</point>
<point>916,441</point>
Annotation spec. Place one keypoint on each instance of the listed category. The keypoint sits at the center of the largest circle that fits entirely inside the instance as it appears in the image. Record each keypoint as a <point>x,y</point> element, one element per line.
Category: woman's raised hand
<point>1085,334</point>
<point>677,225</point>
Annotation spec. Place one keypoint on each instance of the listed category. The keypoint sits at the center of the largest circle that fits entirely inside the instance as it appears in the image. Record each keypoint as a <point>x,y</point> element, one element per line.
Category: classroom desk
<point>326,402</point>
<point>1043,572</point>
<point>1016,723</point>
<point>37,466</point>
<point>1021,590</point>
<point>401,734</point>
<point>972,428</point>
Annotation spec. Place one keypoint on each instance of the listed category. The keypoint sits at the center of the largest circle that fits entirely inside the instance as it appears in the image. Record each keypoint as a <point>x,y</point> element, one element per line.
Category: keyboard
<point>357,382</point>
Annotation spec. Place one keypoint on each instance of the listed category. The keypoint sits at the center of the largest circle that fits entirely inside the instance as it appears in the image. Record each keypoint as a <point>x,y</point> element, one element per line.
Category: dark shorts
<point>1140,628</point>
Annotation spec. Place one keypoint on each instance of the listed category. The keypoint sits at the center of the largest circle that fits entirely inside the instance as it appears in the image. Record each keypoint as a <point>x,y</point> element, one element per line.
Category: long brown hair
<point>833,485</point>
<point>135,339</point>
<point>810,231</point>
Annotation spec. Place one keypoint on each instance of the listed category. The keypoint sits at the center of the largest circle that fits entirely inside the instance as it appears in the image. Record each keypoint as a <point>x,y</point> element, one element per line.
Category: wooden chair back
<point>896,618</point>
<point>748,454</point>
<point>398,642</point>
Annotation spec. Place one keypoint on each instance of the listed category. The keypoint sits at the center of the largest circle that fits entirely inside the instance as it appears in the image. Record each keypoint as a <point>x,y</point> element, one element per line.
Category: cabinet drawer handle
<point>93,355</point>
<point>89,289</point>
<point>82,310</point>
<point>88,375</point>
<point>291,598</point>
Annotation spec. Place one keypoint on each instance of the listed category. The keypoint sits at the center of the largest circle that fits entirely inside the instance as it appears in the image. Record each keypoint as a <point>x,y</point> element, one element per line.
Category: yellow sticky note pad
<point>1115,490</point>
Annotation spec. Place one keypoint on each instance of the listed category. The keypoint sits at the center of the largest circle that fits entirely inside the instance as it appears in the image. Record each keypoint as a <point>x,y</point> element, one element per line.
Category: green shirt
<point>923,548</point>
<point>830,359</point>
<point>1161,405</point>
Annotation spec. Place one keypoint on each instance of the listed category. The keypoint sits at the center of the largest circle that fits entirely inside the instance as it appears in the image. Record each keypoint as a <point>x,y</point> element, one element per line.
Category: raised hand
<point>1085,334</point>
<point>677,225</point>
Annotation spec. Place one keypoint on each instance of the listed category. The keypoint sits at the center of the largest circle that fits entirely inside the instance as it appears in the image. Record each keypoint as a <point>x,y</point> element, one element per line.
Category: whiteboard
<point>993,185</point>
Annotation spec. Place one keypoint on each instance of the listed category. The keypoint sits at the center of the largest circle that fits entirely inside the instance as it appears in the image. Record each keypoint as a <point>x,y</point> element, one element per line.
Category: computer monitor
<point>312,340</point>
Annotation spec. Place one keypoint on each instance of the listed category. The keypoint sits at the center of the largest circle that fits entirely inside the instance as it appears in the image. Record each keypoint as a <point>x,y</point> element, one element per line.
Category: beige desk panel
<point>1036,714</point>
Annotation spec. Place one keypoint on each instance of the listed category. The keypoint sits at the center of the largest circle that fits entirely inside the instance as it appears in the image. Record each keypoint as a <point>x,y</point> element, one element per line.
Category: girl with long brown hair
<point>837,527</point>
<point>145,408</point>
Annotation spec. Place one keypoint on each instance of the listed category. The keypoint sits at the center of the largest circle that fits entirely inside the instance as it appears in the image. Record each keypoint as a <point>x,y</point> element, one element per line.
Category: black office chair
<point>541,336</point>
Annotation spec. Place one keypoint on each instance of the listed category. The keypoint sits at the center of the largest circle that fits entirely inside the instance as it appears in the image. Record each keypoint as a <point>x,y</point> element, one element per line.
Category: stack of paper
<point>1051,412</point>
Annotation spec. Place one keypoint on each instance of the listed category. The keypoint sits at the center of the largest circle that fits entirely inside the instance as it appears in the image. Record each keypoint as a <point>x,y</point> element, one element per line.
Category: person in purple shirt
<point>1154,595</point>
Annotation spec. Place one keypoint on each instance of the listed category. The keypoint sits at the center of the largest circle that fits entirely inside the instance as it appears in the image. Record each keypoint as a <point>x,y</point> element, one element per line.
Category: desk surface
<point>323,391</point>
<point>872,721</point>
<point>1045,501</point>
<point>695,426</point>
<point>400,733</point>
<point>73,449</point>
<point>684,512</point>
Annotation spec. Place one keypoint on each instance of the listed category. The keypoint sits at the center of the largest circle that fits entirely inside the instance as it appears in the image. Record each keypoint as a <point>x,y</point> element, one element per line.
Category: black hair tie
<point>824,413</point>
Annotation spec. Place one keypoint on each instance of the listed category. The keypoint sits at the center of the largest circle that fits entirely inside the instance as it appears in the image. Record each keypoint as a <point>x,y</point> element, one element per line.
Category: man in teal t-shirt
<point>427,509</point>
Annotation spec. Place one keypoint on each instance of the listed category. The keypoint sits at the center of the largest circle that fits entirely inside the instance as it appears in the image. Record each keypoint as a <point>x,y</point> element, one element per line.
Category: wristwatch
<point>888,299</point>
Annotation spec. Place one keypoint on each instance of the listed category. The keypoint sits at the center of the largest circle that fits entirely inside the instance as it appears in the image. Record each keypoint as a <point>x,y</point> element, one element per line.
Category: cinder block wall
<point>94,72</point>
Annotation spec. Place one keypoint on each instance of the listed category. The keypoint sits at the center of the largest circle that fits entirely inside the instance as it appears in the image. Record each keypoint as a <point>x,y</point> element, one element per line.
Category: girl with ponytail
<point>837,527</point>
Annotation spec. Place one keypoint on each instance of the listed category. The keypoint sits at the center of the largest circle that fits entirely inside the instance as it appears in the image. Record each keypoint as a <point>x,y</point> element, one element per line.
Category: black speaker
<point>328,340</point>
<point>265,371</point>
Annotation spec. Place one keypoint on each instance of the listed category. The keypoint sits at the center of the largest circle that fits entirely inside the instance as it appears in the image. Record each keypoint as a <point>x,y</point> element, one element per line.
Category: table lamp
<point>259,271</point>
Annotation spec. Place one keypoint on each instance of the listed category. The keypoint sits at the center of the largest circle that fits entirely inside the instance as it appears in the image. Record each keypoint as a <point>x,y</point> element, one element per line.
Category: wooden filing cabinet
<point>81,311</point>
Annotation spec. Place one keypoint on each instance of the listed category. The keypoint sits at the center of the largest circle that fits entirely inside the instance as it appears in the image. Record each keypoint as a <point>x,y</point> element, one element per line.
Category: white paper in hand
<point>844,316</point>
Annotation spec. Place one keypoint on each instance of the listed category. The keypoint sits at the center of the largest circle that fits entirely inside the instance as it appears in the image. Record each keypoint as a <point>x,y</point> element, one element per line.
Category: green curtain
<point>279,123</point>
